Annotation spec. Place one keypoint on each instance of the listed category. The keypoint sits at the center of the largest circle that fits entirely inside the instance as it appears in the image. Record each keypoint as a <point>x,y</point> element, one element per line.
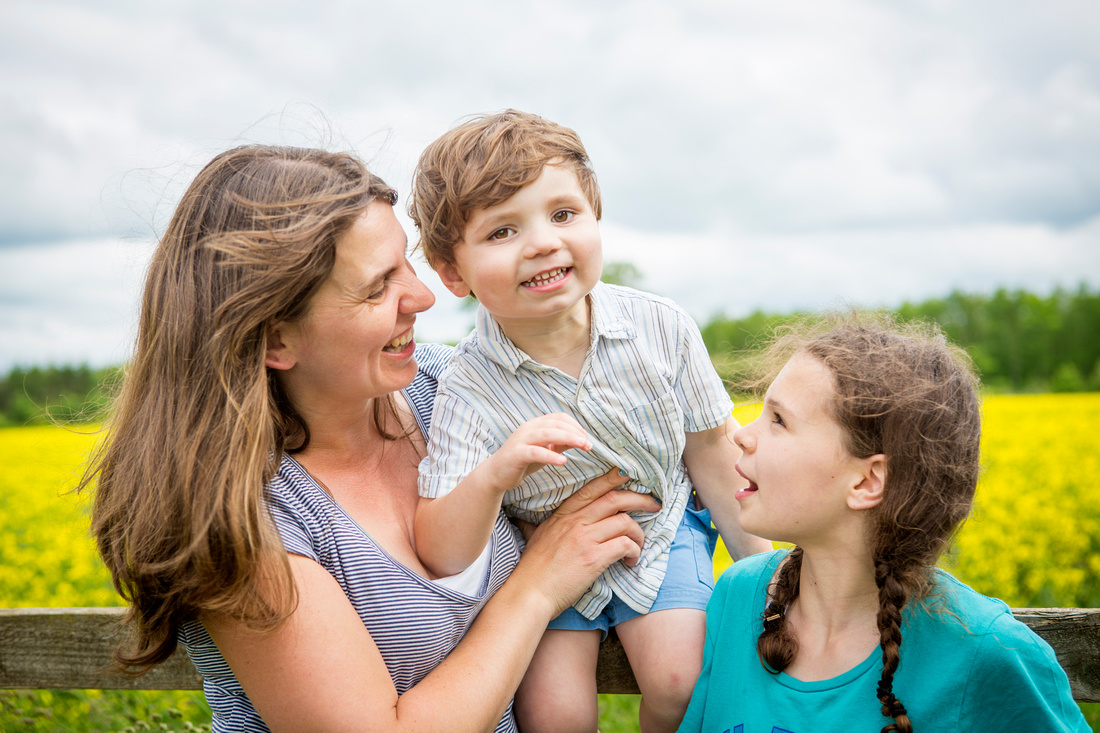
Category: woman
<point>256,492</point>
<point>866,459</point>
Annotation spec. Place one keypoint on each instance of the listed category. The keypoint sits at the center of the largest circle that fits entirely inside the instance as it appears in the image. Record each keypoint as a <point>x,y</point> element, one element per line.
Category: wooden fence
<point>69,648</point>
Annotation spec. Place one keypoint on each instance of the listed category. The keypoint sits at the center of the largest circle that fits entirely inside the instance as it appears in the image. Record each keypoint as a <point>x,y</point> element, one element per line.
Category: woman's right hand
<point>587,533</point>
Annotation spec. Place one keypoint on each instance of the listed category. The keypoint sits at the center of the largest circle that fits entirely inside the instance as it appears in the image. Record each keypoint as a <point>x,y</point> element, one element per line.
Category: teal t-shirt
<point>964,667</point>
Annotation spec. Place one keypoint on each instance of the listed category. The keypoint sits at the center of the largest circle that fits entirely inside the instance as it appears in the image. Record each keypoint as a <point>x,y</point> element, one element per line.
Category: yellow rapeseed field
<point>1034,540</point>
<point>46,555</point>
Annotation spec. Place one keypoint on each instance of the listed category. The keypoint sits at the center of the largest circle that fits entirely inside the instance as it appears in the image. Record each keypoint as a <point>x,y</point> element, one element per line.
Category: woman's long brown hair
<point>904,392</point>
<point>199,425</point>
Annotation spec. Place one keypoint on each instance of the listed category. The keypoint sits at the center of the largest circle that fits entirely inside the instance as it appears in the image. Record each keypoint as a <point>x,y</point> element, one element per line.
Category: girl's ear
<point>452,279</point>
<point>868,492</point>
<point>279,354</point>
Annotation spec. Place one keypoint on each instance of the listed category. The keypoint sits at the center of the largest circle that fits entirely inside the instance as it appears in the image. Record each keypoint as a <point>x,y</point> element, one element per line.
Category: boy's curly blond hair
<point>482,162</point>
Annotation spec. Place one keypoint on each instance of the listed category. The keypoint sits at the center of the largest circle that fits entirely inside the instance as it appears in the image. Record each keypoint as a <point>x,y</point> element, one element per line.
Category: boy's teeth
<point>547,277</point>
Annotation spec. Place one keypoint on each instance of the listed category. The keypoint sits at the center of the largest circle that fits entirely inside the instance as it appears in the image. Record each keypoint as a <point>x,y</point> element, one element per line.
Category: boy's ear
<point>452,279</point>
<point>868,492</point>
<point>279,354</point>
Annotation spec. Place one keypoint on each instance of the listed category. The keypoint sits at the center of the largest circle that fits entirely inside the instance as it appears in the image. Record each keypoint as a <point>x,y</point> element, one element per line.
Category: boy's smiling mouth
<point>547,278</point>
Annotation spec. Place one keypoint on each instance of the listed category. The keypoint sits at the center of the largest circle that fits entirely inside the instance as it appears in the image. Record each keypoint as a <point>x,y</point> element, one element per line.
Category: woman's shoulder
<point>432,359</point>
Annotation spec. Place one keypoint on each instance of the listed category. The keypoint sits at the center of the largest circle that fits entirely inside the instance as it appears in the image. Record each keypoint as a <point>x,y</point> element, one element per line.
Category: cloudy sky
<point>775,155</point>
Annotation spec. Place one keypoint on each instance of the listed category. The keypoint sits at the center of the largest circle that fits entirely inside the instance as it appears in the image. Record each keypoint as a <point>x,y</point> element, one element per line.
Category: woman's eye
<point>502,233</point>
<point>560,217</point>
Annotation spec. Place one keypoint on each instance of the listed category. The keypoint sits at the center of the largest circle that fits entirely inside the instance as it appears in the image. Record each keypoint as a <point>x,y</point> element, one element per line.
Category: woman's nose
<point>418,298</point>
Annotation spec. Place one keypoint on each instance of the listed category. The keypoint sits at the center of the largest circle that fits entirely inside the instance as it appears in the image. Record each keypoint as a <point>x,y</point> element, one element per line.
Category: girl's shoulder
<point>958,616</point>
<point>960,604</point>
<point>748,578</point>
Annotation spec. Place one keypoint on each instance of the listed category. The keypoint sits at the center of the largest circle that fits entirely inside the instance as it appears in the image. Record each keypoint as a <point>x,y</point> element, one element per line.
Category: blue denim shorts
<point>688,582</point>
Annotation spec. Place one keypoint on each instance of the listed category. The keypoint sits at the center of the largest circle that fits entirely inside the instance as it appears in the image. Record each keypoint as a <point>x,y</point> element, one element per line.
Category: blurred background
<point>773,156</point>
<point>937,158</point>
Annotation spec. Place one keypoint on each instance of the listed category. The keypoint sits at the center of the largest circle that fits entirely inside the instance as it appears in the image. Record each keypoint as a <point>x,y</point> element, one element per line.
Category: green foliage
<point>65,394</point>
<point>1020,342</point>
<point>126,711</point>
<point>622,273</point>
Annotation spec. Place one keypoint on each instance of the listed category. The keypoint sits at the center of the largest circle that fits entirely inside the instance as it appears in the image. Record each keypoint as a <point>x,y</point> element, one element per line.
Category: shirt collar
<point>609,320</point>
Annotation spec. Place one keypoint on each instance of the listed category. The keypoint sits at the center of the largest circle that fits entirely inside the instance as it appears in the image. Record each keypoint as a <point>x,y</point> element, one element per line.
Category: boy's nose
<point>543,241</point>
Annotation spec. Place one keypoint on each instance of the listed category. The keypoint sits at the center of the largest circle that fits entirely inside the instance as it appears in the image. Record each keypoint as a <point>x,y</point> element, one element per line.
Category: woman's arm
<point>321,671</point>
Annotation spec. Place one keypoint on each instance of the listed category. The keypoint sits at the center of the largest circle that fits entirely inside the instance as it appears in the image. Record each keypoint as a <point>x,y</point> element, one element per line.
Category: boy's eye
<point>560,217</point>
<point>502,233</point>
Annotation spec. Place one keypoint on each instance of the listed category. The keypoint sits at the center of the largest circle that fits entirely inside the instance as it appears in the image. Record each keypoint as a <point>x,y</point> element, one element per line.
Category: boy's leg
<point>558,692</point>
<point>665,646</point>
<point>665,649</point>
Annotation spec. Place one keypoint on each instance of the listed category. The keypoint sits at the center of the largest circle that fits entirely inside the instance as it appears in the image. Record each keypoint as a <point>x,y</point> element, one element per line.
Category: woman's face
<point>355,342</point>
<point>799,470</point>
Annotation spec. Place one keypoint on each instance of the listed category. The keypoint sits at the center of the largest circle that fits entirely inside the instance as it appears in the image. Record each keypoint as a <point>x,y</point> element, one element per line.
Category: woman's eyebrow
<point>369,286</point>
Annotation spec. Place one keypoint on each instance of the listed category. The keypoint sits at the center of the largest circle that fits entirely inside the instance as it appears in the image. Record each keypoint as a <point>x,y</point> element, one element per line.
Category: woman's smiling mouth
<point>398,344</point>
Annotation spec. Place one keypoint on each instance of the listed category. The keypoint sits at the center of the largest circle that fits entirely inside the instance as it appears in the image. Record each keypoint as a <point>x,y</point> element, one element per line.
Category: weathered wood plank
<point>1074,633</point>
<point>70,648</point>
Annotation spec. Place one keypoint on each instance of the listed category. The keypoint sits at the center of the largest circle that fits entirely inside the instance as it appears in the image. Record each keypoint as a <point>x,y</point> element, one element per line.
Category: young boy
<point>507,209</point>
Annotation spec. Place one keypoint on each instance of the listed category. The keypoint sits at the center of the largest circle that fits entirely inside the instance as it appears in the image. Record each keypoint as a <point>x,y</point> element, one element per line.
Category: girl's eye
<point>560,217</point>
<point>778,419</point>
<point>502,233</point>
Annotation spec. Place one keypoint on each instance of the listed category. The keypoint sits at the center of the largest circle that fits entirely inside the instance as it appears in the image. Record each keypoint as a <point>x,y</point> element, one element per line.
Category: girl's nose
<point>744,439</point>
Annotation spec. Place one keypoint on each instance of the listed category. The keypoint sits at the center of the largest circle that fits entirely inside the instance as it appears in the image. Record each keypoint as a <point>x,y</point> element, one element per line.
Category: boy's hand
<point>534,444</point>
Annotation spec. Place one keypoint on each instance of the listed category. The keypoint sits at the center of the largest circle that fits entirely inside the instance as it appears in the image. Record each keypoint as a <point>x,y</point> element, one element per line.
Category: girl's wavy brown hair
<point>905,392</point>
<point>482,162</point>
<point>199,425</point>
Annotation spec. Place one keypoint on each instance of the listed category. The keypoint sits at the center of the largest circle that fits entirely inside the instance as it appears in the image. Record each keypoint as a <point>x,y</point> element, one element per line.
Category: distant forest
<point>1020,342</point>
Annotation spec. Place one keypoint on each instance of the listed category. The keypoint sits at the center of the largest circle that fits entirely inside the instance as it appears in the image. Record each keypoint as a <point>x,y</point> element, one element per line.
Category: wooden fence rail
<point>69,648</point>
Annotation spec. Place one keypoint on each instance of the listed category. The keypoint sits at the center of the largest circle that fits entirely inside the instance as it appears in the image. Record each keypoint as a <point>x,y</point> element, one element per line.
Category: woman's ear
<point>868,492</point>
<point>279,354</point>
<point>452,279</point>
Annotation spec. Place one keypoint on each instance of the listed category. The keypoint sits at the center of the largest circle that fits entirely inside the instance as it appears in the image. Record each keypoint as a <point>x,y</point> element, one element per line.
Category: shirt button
<point>618,442</point>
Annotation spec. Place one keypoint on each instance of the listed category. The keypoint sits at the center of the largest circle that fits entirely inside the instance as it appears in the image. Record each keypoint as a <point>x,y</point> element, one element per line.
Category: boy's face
<point>536,254</point>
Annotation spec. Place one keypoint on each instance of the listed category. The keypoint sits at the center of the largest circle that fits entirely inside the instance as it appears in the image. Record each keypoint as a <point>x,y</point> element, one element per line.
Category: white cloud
<point>812,136</point>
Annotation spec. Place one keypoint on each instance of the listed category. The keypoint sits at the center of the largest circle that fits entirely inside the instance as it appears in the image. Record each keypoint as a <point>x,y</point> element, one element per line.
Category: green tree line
<point>56,393</point>
<point>1021,342</point>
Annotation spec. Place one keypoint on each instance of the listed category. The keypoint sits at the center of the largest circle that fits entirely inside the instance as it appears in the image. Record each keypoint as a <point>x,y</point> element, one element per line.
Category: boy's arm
<point>710,457</point>
<point>452,530</point>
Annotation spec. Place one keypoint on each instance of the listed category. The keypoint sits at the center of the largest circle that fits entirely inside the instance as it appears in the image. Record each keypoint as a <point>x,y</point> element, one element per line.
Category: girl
<point>866,459</point>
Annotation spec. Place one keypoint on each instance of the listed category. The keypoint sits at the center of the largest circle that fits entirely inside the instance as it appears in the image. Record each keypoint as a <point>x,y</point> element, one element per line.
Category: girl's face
<point>800,474</point>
